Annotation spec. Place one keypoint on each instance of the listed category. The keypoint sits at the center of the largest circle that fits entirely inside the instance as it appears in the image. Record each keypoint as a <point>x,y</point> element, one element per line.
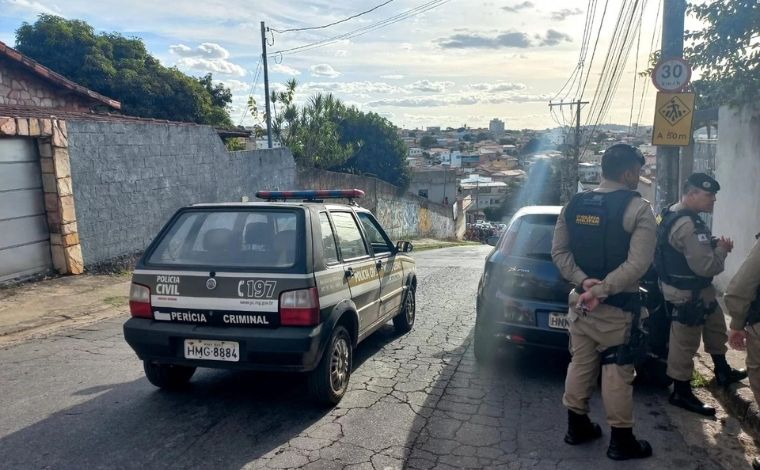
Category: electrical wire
<point>655,39</point>
<point>331,24</point>
<point>366,29</point>
<point>252,90</point>
<point>635,75</point>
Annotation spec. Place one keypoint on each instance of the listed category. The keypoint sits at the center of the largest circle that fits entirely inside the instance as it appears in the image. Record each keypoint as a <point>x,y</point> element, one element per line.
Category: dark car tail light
<point>139,301</point>
<point>299,307</point>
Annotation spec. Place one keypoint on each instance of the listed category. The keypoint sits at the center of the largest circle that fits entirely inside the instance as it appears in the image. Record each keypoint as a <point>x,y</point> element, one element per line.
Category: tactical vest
<point>598,241</point>
<point>753,315</point>
<point>671,264</point>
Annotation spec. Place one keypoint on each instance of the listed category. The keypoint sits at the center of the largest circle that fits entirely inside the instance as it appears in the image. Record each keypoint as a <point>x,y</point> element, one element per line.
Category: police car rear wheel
<point>329,381</point>
<point>168,376</point>
<point>404,321</point>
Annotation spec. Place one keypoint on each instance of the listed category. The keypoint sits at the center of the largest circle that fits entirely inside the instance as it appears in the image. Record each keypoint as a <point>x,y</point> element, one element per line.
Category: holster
<point>693,312</point>
<point>635,350</point>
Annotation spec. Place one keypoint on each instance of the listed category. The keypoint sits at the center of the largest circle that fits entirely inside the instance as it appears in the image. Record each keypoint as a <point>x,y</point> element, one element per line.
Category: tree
<point>121,68</point>
<point>483,136</point>
<point>427,141</point>
<point>726,51</point>
<point>378,149</point>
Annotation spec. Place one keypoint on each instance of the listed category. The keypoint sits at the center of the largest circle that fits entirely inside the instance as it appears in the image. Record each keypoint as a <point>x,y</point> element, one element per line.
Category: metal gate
<point>24,234</point>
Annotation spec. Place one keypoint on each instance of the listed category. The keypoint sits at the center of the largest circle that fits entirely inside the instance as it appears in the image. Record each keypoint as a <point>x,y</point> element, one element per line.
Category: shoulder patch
<point>703,238</point>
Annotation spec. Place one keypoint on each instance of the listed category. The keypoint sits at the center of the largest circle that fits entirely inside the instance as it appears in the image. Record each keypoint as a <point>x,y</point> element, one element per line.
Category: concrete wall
<point>129,178</point>
<point>439,184</point>
<point>737,162</point>
<point>403,215</point>
<point>20,87</point>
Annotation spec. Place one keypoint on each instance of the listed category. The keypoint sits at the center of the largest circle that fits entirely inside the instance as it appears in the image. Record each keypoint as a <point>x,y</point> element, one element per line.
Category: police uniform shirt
<point>742,289</point>
<point>639,221</point>
<point>701,257</point>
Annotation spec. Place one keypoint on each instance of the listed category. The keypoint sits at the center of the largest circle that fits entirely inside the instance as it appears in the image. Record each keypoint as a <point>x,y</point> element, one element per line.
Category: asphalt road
<point>79,400</point>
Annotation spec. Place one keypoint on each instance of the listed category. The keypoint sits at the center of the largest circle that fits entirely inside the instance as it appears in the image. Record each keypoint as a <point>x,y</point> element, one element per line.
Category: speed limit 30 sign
<point>671,75</point>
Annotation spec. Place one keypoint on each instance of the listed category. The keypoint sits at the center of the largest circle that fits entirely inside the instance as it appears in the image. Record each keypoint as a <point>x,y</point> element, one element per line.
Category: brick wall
<point>21,88</point>
<point>129,178</point>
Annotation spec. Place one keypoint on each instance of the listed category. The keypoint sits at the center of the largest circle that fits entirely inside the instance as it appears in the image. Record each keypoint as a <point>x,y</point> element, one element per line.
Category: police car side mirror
<point>492,240</point>
<point>404,247</point>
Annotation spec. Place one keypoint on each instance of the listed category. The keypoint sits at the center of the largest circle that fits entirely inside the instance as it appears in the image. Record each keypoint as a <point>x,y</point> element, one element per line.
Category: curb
<point>737,398</point>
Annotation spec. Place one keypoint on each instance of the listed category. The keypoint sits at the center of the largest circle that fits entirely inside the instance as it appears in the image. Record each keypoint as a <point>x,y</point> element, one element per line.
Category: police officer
<point>743,304</point>
<point>604,242</point>
<point>686,259</point>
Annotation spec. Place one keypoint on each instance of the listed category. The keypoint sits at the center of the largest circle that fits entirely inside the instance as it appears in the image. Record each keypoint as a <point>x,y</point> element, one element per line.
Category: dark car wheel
<point>484,343</point>
<point>329,381</point>
<point>168,376</point>
<point>404,321</point>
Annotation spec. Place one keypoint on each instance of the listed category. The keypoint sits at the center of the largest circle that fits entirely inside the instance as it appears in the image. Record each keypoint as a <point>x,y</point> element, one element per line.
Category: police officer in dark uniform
<point>604,243</point>
<point>686,259</point>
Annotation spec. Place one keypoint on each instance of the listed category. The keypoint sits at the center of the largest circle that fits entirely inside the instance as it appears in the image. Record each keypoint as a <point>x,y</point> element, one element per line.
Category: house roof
<point>53,77</point>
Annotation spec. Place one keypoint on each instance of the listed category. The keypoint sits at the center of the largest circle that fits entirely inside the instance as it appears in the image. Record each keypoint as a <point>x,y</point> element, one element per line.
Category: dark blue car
<point>522,298</point>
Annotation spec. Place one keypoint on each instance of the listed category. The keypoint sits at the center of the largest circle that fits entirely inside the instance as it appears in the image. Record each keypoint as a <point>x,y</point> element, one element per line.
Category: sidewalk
<point>41,308</point>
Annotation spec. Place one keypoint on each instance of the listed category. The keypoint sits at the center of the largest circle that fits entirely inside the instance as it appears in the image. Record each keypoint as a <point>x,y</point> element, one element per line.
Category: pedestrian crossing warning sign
<point>674,114</point>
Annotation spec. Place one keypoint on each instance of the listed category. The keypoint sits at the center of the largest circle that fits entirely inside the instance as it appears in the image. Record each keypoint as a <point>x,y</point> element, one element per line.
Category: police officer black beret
<point>704,182</point>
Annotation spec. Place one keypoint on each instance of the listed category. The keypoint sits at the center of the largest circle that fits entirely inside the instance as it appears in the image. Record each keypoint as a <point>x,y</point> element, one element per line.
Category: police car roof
<point>329,205</point>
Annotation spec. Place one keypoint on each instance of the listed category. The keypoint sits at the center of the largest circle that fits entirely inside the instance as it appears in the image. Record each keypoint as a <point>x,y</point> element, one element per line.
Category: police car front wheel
<point>168,376</point>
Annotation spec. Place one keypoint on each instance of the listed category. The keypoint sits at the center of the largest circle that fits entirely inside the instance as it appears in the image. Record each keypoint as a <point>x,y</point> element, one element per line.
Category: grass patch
<point>698,380</point>
<point>117,301</point>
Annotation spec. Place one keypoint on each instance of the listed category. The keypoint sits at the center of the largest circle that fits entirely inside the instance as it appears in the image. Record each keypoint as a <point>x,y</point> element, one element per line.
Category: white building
<point>496,126</point>
<point>484,191</point>
<point>414,152</point>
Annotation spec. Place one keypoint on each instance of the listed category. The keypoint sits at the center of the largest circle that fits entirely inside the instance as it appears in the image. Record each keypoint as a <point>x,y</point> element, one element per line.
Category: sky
<point>463,62</point>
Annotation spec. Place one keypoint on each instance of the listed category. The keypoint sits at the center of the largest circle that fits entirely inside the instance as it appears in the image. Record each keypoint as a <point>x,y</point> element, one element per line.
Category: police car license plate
<point>212,350</point>
<point>558,321</point>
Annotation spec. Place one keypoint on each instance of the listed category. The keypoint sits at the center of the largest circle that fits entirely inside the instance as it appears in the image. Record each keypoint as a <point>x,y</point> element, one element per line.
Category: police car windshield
<point>236,239</point>
<point>534,236</point>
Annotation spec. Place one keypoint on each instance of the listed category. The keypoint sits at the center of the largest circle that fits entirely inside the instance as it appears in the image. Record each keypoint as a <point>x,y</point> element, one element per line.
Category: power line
<point>635,75</point>
<point>655,38</point>
<point>252,90</point>
<point>366,29</point>
<point>331,24</point>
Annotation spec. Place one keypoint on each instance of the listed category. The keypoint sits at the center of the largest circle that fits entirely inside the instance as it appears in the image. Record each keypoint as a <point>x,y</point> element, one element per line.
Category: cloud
<point>428,86</point>
<point>503,40</point>
<point>207,50</point>
<point>33,7</point>
<point>235,85</point>
<point>354,88</point>
<point>324,70</point>
<point>456,100</point>
<point>554,37</point>
<point>561,15</point>
<point>207,57</point>
<point>341,53</point>
<point>285,69</point>
<point>497,87</point>
<point>518,6</point>
<point>407,46</point>
<point>477,41</point>
<point>214,66</point>
<point>392,77</point>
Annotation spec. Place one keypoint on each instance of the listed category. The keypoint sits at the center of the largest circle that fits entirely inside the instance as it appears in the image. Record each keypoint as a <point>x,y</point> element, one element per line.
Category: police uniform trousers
<point>753,359</point>
<point>684,343</point>
<point>590,334</point>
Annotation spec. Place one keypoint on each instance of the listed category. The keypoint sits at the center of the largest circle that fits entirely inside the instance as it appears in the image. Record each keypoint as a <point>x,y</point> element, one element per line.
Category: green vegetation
<point>121,68</point>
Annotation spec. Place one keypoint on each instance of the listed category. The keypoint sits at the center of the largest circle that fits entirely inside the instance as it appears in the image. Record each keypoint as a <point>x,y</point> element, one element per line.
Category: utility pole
<point>266,82</point>
<point>666,191</point>
<point>570,175</point>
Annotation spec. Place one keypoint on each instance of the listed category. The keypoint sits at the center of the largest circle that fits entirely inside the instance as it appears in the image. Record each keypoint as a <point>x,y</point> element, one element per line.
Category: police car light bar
<point>310,195</point>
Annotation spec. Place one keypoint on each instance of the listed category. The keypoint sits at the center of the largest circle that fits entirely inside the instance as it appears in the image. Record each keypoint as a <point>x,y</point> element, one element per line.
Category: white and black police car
<point>290,284</point>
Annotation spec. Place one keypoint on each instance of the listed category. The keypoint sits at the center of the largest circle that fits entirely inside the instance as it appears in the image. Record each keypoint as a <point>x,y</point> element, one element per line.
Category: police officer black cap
<point>704,182</point>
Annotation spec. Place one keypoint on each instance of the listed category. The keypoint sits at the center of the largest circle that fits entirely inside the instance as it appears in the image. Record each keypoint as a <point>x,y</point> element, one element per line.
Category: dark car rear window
<point>230,238</point>
<point>532,236</point>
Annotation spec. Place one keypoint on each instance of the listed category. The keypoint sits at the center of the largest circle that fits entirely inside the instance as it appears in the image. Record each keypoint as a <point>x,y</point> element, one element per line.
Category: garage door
<point>24,235</point>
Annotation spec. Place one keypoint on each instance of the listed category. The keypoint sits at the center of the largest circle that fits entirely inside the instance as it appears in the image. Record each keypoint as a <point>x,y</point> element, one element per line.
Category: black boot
<point>684,397</point>
<point>624,445</point>
<point>724,373</point>
<point>580,429</point>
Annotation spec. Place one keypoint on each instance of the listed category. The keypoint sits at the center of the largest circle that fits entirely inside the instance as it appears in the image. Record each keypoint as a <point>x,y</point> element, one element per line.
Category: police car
<point>290,284</point>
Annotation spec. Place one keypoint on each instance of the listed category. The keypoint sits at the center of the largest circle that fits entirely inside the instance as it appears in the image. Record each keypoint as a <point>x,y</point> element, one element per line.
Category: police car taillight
<point>139,301</point>
<point>299,307</point>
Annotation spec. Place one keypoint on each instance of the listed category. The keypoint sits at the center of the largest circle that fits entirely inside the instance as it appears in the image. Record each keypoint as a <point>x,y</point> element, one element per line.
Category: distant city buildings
<point>496,127</point>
